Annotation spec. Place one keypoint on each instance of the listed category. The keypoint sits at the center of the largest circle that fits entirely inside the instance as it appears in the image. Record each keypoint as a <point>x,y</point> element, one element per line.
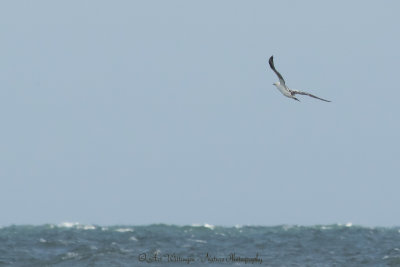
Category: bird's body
<point>283,89</point>
<point>286,91</point>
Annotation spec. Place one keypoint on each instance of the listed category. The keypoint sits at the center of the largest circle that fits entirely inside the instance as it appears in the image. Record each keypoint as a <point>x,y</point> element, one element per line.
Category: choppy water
<point>70,244</point>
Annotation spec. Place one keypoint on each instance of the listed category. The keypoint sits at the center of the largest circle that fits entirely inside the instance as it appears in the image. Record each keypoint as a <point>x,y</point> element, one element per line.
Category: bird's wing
<point>271,64</point>
<point>294,92</point>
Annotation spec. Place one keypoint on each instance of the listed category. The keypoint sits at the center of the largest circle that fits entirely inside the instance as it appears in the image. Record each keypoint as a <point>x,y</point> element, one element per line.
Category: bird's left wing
<point>271,64</point>
<point>294,92</point>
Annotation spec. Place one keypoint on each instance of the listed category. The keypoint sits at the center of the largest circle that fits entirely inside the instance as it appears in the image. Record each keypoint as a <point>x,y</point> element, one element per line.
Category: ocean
<point>73,244</point>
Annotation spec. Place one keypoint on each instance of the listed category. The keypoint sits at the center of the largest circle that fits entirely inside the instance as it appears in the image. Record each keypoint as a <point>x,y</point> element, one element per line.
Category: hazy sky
<point>137,112</point>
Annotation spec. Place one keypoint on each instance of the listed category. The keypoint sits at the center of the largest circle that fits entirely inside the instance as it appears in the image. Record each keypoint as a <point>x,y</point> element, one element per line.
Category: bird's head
<point>276,84</point>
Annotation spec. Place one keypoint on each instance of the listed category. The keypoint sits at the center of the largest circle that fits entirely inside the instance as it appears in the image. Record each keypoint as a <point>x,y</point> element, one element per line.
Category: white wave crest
<point>209,226</point>
<point>68,224</point>
<point>86,227</point>
<point>197,240</point>
<point>206,225</point>
<point>77,225</point>
<point>124,230</point>
<point>70,255</point>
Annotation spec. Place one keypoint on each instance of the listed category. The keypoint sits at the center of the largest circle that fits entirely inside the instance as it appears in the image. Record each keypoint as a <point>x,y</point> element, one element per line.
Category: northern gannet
<point>284,89</point>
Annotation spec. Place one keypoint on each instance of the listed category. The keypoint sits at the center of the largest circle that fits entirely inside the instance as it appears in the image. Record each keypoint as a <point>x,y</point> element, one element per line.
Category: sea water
<point>73,244</point>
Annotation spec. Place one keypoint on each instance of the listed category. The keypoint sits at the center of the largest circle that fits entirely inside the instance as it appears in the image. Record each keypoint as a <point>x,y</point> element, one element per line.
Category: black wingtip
<point>271,61</point>
<point>325,100</point>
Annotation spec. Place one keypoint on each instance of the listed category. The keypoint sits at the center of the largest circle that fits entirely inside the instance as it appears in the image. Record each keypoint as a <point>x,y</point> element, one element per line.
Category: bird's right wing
<point>294,92</point>
<point>271,64</point>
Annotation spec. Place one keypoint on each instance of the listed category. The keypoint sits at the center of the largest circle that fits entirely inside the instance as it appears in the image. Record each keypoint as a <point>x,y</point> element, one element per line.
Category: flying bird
<point>284,89</point>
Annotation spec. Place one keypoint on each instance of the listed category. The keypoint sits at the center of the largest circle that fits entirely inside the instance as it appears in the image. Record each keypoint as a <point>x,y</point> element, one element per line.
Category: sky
<point>141,112</point>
